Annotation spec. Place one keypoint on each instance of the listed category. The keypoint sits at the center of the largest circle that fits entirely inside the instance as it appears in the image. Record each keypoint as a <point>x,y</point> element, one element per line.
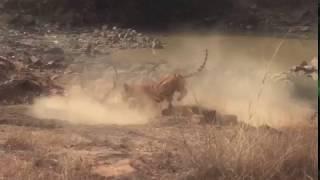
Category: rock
<point>6,68</point>
<point>56,42</point>
<point>53,77</point>
<point>53,56</point>
<point>314,76</point>
<point>89,48</point>
<point>314,62</point>
<point>156,44</point>
<point>305,28</point>
<point>27,20</point>
<point>254,6</point>
<point>50,63</point>
<point>5,18</point>
<point>96,32</point>
<point>135,45</point>
<point>121,35</point>
<point>249,27</point>
<point>19,66</point>
<point>34,59</point>
<point>140,39</point>
<point>19,91</point>
<point>55,50</point>
<point>102,34</point>
<point>104,27</point>
<point>301,29</point>
<point>5,64</point>
<point>308,68</point>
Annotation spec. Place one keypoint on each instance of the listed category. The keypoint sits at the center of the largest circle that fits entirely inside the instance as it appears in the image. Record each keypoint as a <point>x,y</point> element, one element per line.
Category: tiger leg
<point>169,101</point>
<point>169,109</point>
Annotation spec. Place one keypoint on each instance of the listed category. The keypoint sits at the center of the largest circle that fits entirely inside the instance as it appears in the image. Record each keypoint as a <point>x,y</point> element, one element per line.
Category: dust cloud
<point>238,94</point>
<point>81,108</point>
<point>231,82</point>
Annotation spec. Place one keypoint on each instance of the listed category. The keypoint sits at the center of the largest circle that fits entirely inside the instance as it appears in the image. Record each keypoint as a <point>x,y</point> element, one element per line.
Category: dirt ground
<point>34,148</point>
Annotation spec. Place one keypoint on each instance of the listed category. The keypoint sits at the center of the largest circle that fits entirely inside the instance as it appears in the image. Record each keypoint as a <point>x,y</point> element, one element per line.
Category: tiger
<point>162,90</point>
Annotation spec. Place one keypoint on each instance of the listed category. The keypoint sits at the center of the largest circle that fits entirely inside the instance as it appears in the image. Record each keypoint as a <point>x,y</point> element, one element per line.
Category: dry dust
<point>239,95</point>
<point>79,107</point>
<point>234,77</point>
<point>231,84</point>
<point>234,80</point>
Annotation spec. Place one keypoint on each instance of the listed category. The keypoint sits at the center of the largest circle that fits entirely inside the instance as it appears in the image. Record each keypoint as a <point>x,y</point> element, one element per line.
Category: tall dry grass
<point>250,153</point>
<point>42,168</point>
<point>253,154</point>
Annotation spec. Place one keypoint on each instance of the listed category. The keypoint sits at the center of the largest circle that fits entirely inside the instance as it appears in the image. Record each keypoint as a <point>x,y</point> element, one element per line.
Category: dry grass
<point>247,153</point>
<point>45,167</point>
<point>19,141</point>
<point>35,156</point>
<point>251,154</point>
<point>199,152</point>
<point>32,140</point>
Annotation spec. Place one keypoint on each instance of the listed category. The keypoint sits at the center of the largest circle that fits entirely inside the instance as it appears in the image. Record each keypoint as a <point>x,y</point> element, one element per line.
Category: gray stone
<point>27,20</point>
<point>104,27</point>
<point>156,44</point>
<point>249,27</point>
<point>304,28</point>
<point>34,59</point>
<point>55,51</point>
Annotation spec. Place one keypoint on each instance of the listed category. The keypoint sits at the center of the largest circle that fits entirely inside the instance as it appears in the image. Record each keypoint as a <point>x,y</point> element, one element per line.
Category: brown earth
<point>38,149</point>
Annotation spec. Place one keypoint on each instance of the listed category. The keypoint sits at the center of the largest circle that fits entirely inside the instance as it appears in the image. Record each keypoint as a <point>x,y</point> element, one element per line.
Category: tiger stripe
<point>165,88</point>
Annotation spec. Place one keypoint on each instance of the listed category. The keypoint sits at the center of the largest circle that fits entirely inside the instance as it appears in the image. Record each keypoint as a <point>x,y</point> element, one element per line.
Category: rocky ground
<point>46,54</point>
